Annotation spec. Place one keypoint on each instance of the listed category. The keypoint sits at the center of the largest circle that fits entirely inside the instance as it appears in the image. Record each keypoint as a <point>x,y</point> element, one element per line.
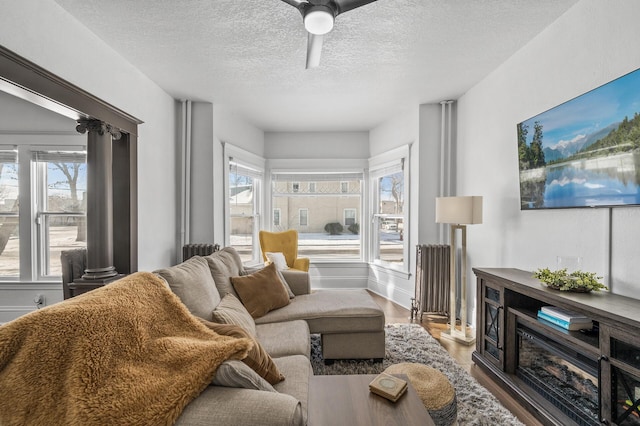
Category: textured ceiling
<point>380,60</point>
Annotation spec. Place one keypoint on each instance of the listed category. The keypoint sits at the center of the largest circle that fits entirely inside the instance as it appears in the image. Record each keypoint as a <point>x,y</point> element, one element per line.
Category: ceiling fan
<point>318,17</point>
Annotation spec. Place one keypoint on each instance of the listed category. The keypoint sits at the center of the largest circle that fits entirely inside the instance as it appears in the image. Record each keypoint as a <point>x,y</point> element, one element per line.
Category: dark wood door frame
<point>29,81</point>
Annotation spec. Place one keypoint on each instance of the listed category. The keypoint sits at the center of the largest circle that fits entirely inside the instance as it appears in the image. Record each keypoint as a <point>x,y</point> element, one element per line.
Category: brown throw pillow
<point>258,359</point>
<point>262,291</point>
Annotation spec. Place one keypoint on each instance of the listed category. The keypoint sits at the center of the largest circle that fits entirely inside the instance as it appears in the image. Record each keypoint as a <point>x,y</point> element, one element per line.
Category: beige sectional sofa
<point>350,322</point>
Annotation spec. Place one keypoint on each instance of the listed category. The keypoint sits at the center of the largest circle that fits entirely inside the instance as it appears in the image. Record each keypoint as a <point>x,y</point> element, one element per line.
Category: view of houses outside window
<point>326,213</point>
<point>390,219</point>
<point>59,197</point>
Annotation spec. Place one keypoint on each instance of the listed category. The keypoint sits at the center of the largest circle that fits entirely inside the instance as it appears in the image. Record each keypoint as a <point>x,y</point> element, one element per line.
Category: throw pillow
<point>224,264</point>
<point>258,359</point>
<point>261,291</point>
<point>237,374</point>
<point>231,311</point>
<point>278,259</point>
<point>253,269</point>
<point>191,281</point>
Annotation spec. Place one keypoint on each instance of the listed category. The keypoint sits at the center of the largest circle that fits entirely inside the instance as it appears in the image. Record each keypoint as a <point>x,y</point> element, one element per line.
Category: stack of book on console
<point>564,318</point>
<point>388,386</point>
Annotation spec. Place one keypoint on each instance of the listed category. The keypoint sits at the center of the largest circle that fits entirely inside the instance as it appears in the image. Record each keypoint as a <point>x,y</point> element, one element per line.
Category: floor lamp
<point>458,212</point>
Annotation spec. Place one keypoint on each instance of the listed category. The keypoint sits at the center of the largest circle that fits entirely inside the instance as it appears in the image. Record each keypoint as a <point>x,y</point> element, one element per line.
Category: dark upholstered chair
<point>73,263</point>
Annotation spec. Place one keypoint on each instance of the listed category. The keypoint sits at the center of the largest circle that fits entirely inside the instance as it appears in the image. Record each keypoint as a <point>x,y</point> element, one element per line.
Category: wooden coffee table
<point>346,400</point>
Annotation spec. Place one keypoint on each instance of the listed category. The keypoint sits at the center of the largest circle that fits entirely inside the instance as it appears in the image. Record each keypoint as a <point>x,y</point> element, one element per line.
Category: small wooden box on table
<point>346,400</point>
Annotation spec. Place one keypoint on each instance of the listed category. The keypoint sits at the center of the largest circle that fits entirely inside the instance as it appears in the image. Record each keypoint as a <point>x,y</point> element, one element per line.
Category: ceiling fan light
<point>318,21</point>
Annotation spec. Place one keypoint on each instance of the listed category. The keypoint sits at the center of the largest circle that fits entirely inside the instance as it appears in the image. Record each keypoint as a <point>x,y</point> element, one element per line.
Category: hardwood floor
<point>435,324</point>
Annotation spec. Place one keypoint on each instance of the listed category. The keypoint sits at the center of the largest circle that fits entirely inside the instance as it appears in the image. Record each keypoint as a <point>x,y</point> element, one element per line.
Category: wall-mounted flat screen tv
<point>584,152</point>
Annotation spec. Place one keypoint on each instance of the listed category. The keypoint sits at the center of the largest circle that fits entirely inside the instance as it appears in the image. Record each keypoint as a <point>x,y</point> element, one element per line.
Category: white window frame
<point>11,156</point>
<point>342,169</point>
<point>255,165</point>
<point>295,187</point>
<point>344,187</point>
<point>30,253</point>
<point>380,166</point>
<point>42,213</point>
<point>312,187</point>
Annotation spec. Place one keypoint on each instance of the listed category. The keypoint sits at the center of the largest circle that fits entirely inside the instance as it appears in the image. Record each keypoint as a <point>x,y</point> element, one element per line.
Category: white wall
<point>230,128</point>
<point>47,35</point>
<point>400,130</point>
<point>291,145</point>
<point>202,179</point>
<point>590,45</point>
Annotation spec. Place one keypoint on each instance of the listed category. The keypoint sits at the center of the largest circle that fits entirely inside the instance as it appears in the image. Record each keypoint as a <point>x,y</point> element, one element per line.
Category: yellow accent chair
<point>285,242</point>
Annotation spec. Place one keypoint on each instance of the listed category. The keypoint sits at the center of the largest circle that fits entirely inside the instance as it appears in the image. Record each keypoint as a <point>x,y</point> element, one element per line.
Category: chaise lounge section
<point>350,322</point>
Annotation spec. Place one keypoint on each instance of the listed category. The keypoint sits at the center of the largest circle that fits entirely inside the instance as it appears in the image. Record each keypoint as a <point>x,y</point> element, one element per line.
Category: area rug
<point>412,343</point>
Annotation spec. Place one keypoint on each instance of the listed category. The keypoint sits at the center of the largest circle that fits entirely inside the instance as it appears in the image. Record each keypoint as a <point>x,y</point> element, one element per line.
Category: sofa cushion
<point>237,374</point>
<point>258,359</point>
<point>298,281</point>
<point>297,369</point>
<point>285,338</point>
<point>191,281</point>
<point>225,264</point>
<point>222,406</point>
<point>262,291</point>
<point>232,311</point>
<point>332,311</point>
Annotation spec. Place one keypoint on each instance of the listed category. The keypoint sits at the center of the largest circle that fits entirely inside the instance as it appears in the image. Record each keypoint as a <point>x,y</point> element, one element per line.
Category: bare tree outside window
<point>62,219</point>
<point>390,218</point>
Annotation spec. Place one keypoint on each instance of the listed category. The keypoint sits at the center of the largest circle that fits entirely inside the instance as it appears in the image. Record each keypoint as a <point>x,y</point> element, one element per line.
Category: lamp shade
<point>459,210</point>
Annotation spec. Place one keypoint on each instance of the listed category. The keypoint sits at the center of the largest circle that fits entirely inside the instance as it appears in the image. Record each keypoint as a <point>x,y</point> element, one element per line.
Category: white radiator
<point>432,279</point>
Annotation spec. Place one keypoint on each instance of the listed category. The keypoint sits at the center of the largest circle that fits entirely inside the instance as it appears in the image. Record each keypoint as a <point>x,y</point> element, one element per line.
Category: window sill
<point>29,285</point>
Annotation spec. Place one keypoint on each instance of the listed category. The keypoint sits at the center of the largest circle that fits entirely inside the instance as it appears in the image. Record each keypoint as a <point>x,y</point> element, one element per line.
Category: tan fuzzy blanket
<point>128,353</point>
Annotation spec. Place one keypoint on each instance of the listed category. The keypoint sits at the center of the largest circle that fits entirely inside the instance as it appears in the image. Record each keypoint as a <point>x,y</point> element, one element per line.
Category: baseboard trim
<point>338,282</point>
<point>395,294</point>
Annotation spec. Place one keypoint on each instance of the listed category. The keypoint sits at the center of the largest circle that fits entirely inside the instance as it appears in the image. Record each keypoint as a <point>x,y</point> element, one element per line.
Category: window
<point>389,210</point>
<point>313,208</point>
<point>53,205</point>
<point>61,185</point>
<point>303,217</point>
<point>295,186</point>
<point>344,187</point>
<point>9,213</point>
<point>276,217</point>
<point>349,217</point>
<point>244,204</point>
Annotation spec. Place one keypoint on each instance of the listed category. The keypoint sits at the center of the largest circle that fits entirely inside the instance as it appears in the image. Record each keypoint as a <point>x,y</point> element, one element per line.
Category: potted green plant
<point>577,281</point>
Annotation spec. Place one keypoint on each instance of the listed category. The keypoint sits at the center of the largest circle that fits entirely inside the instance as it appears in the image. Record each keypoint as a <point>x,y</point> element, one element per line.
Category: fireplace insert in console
<point>564,376</point>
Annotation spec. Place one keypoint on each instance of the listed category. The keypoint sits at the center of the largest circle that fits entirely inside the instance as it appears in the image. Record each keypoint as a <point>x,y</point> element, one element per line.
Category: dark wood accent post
<point>99,198</point>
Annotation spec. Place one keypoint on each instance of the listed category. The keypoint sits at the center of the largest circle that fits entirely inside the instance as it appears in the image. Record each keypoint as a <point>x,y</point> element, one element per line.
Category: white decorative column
<point>99,199</point>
